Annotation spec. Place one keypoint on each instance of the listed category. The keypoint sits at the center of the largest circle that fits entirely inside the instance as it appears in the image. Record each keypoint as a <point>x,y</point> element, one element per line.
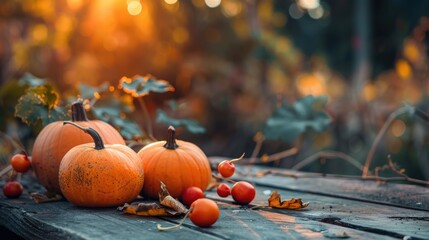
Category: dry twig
<point>386,125</point>
<point>327,155</point>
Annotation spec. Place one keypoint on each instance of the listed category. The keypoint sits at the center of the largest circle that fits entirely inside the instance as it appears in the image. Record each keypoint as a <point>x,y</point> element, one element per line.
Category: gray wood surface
<point>334,212</point>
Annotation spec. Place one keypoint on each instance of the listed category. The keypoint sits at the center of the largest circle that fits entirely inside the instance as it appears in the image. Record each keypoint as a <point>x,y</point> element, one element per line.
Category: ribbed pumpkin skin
<point>100,178</point>
<point>178,168</point>
<point>55,140</point>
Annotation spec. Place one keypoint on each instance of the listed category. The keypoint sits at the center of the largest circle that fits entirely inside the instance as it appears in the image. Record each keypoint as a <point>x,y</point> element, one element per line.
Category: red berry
<point>243,192</point>
<point>204,212</point>
<point>226,168</point>
<point>191,194</point>
<point>20,162</point>
<point>223,190</point>
<point>13,189</point>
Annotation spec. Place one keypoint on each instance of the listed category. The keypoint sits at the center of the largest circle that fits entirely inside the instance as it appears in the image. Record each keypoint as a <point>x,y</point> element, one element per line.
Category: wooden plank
<point>384,221</point>
<point>395,194</point>
<point>240,222</point>
<point>327,217</point>
<point>377,218</point>
<point>63,220</point>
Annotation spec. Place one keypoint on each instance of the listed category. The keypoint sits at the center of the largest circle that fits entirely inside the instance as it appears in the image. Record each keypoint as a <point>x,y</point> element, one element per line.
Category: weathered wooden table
<point>339,208</point>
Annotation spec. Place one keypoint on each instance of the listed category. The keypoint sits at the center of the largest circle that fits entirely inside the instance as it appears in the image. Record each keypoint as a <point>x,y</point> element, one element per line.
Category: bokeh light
<point>309,4</point>
<point>231,8</point>
<point>170,1</point>
<point>134,8</point>
<point>403,69</point>
<point>316,13</point>
<point>295,12</point>
<point>213,3</point>
<point>398,128</point>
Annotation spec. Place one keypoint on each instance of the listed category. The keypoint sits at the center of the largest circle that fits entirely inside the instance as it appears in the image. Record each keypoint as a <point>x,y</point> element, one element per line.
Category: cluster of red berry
<point>242,192</point>
<point>20,163</point>
<point>205,212</point>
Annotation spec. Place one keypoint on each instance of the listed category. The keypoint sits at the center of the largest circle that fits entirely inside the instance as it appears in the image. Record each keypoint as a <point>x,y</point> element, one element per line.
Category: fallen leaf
<point>167,206</point>
<point>275,201</point>
<point>167,200</point>
<point>151,209</point>
<point>45,197</point>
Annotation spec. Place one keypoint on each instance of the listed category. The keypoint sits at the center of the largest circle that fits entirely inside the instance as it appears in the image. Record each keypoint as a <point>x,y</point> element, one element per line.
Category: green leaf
<point>191,125</point>
<point>31,80</point>
<point>288,122</point>
<point>111,111</point>
<point>39,104</point>
<point>88,92</point>
<point>139,86</point>
<point>128,129</point>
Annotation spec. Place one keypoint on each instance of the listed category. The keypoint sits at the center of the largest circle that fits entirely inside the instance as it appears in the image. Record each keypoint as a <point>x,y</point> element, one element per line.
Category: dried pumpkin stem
<point>78,111</point>
<point>160,228</point>
<point>171,141</point>
<point>94,134</point>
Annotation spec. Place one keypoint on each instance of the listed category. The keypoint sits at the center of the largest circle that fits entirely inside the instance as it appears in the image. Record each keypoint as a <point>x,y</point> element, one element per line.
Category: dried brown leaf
<point>275,201</point>
<point>150,209</point>
<point>45,197</point>
<point>168,201</point>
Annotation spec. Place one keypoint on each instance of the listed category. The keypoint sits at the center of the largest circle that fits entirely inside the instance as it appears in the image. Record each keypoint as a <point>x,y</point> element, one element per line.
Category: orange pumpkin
<point>56,139</point>
<point>178,164</point>
<point>100,175</point>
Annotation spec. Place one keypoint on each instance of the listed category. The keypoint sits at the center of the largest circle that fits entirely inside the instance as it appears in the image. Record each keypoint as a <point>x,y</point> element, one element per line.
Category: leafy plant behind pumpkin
<point>290,121</point>
<point>189,124</point>
<point>39,105</point>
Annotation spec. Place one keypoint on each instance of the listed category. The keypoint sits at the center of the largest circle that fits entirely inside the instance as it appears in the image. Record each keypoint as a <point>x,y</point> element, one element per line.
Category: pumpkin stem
<point>171,141</point>
<point>94,134</point>
<point>78,111</point>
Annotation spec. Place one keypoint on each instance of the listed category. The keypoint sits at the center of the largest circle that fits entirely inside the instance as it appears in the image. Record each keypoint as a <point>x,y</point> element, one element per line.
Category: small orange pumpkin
<point>178,164</point>
<point>55,140</point>
<point>100,175</point>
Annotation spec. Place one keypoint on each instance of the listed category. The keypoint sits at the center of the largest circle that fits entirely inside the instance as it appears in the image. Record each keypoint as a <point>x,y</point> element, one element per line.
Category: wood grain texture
<point>334,212</point>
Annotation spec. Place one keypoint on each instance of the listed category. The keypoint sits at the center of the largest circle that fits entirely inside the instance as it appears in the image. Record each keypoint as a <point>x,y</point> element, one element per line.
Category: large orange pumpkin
<point>56,139</point>
<point>178,164</point>
<point>100,175</point>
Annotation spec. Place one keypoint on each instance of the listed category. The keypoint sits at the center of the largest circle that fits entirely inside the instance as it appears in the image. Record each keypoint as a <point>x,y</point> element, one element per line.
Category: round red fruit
<point>226,168</point>
<point>20,162</point>
<point>191,194</point>
<point>204,212</point>
<point>223,190</point>
<point>13,189</point>
<point>243,192</point>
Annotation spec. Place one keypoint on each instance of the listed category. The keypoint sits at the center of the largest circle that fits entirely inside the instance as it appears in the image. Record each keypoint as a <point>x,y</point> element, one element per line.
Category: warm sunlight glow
<point>134,8</point>
<point>311,84</point>
<point>411,51</point>
<point>170,1</point>
<point>97,95</point>
<point>212,3</point>
<point>74,4</point>
<point>403,69</point>
<point>39,33</point>
<point>369,92</point>
<point>231,8</point>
